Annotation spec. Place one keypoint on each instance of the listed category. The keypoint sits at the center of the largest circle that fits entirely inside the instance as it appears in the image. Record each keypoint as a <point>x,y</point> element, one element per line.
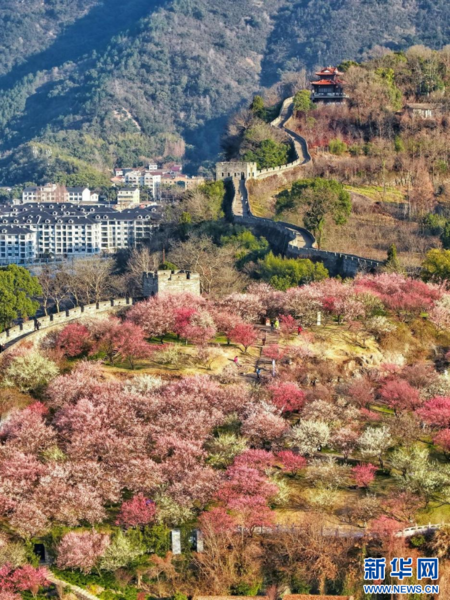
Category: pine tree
<point>392,264</point>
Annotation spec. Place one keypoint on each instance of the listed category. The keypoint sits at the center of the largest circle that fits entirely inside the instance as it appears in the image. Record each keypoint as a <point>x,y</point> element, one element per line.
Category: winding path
<point>79,592</point>
<point>298,241</point>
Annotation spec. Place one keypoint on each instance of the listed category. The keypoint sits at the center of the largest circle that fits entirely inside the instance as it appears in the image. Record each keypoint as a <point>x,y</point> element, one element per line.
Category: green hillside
<point>86,85</point>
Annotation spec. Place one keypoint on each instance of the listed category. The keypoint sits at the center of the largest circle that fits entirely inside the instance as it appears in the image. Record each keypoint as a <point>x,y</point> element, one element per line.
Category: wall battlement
<point>172,282</point>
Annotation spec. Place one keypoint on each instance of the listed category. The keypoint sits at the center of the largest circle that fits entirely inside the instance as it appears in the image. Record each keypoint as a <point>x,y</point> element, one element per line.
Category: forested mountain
<point>85,85</point>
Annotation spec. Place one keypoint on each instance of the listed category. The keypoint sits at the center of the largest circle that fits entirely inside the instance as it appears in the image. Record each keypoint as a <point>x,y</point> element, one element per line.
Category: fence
<point>28,327</point>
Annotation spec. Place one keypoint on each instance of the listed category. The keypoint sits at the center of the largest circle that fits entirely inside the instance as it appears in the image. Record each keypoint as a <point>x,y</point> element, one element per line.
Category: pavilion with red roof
<point>329,88</point>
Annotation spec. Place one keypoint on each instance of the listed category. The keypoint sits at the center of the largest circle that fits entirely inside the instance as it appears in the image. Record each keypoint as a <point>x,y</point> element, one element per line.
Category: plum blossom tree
<point>29,372</point>
<point>261,460</point>
<point>262,425</point>
<point>375,441</point>
<point>136,512</point>
<point>310,436</point>
<point>245,481</point>
<point>385,527</point>
<point>27,431</point>
<point>364,474</point>
<point>28,578</point>
<point>6,595</point>
<point>248,307</point>
<point>400,395</point>
<point>156,316</point>
<point>244,334</point>
<point>291,462</point>
<point>121,552</point>
<point>226,322</point>
<point>442,440</point>
<point>22,579</point>
<point>345,440</point>
<point>73,340</point>
<point>83,380</point>
<point>252,512</point>
<point>274,352</point>
<point>81,550</point>
<point>362,392</point>
<point>198,328</point>
<point>125,341</point>
<point>288,326</point>
<point>216,521</point>
<point>287,397</point>
<point>436,412</point>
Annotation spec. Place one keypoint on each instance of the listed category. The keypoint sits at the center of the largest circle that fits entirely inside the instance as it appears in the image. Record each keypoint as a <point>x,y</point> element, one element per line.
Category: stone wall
<point>345,265</point>
<point>172,282</point>
<point>236,169</point>
<point>26,329</point>
<point>285,238</point>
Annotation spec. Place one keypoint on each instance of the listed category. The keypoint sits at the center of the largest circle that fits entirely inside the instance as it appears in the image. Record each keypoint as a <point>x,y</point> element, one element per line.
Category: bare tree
<point>45,281</point>
<point>304,552</point>
<point>92,280</point>
<point>59,288</point>
<point>139,262</point>
<point>215,265</point>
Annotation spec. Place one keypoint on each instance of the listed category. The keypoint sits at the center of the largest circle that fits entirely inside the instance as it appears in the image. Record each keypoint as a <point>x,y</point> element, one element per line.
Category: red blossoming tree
<point>244,334</point>
<point>364,474</point>
<point>287,397</point>
<point>291,462</point>
<point>136,512</point>
<point>73,340</point>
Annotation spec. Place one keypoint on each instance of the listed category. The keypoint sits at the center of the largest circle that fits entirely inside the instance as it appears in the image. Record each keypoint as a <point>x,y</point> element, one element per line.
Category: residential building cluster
<point>33,231</point>
<point>53,192</point>
<point>156,178</point>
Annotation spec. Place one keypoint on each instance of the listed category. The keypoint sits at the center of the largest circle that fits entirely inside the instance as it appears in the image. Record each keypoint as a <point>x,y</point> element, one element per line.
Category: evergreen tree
<point>392,263</point>
<point>18,290</point>
<point>445,236</point>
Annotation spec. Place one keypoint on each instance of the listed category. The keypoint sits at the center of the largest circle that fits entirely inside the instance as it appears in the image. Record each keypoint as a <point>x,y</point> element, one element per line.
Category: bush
<point>434,224</point>
<point>269,154</point>
<point>303,102</point>
<point>30,372</point>
<point>284,273</point>
<point>337,147</point>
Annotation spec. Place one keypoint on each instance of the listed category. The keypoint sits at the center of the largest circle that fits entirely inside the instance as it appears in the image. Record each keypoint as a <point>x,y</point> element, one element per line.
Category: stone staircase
<point>79,592</point>
<point>248,363</point>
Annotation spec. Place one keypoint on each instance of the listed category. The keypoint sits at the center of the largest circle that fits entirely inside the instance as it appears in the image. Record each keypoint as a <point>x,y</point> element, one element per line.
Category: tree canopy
<point>18,293</point>
<point>320,199</point>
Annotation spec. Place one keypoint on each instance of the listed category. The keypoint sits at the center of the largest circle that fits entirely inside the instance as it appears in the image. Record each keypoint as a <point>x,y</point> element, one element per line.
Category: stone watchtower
<point>172,282</point>
<point>236,170</point>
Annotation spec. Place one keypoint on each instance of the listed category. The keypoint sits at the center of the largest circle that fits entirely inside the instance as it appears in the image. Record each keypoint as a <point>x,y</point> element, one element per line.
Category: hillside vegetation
<point>120,429</point>
<point>109,83</point>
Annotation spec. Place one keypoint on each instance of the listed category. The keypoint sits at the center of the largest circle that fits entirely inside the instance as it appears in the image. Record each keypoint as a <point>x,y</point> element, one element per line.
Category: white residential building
<point>52,192</point>
<point>50,230</point>
<point>127,197</point>
<point>17,245</point>
<point>78,194</point>
<point>148,179</point>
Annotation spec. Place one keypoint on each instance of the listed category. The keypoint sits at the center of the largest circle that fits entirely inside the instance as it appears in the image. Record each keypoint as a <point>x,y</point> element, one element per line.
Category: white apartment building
<point>144,178</point>
<point>78,194</point>
<point>36,230</point>
<point>52,192</point>
<point>128,196</point>
<point>17,245</point>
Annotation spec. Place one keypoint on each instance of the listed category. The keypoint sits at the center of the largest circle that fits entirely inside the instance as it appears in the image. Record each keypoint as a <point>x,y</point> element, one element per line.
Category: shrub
<point>337,147</point>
